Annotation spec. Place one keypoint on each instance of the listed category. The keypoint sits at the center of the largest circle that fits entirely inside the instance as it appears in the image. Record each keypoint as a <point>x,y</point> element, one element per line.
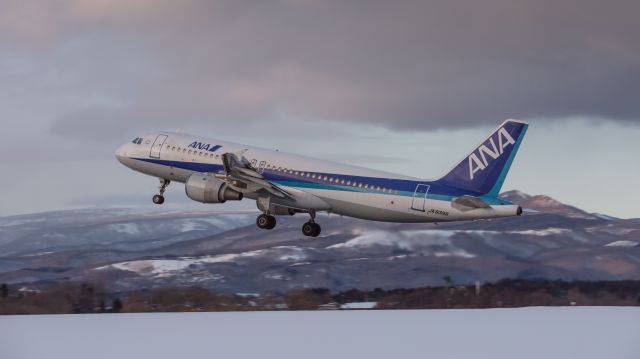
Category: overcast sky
<point>405,86</point>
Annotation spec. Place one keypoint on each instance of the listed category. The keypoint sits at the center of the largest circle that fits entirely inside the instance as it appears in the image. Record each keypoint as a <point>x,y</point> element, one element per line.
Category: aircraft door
<point>157,146</point>
<point>420,197</point>
<point>261,166</point>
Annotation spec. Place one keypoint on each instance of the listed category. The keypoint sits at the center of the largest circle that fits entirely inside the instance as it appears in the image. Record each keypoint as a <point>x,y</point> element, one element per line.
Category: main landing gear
<point>309,229</point>
<point>159,198</point>
<point>266,221</point>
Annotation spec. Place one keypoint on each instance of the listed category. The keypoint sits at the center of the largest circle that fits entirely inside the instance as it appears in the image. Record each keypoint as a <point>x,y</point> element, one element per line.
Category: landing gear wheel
<point>158,199</point>
<point>311,229</point>
<point>266,221</point>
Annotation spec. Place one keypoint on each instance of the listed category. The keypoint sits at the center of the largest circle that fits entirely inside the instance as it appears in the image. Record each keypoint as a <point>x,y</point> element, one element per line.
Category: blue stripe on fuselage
<point>401,186</point>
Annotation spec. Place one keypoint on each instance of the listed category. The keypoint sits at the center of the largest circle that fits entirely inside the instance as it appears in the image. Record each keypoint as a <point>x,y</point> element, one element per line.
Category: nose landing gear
<point>159,198</point>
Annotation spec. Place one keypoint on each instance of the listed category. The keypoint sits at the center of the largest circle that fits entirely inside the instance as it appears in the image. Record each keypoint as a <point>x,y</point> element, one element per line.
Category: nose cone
<point>121,153</point>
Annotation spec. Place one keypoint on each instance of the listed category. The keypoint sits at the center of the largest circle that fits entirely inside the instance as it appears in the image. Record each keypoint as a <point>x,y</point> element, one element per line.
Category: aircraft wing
<point>467,203</point>
<point>241,176</point>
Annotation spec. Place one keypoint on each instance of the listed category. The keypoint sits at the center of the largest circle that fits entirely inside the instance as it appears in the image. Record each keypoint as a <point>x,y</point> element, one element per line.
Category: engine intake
<point>208,189</point>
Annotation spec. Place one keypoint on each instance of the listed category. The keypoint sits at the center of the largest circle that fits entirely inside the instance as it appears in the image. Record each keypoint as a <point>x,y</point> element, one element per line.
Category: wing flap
<point>239,174</point>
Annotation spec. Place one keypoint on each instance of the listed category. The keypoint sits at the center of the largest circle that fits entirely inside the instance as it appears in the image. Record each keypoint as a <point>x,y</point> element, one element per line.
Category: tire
<point>272,222</point>
<point>158,199</point>
<point>311,229</point>
<point>316,230</point>
<point>262,221</point>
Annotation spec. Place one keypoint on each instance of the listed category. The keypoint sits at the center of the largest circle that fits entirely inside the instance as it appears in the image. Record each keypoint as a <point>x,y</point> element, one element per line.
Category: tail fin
<point>483,171</point>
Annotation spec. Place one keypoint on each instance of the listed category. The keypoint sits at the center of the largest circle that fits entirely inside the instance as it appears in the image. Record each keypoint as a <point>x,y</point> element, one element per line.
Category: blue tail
<point>483,171</point>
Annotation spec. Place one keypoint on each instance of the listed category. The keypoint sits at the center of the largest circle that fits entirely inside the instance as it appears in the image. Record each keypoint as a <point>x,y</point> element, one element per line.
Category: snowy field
<point>578,332</point>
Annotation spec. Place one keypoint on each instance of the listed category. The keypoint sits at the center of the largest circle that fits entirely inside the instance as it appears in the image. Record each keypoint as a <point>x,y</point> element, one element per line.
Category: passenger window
<point>189,151</point>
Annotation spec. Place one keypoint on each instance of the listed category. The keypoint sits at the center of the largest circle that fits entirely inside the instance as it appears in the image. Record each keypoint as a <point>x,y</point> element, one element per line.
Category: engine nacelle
<point>208,189</point>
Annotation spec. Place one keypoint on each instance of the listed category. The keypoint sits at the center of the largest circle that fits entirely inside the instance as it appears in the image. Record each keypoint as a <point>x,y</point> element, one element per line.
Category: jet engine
<point>208,189</point>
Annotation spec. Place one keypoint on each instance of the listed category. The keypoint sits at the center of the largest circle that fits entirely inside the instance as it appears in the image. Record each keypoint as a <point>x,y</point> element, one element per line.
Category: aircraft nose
<point>121,153</point>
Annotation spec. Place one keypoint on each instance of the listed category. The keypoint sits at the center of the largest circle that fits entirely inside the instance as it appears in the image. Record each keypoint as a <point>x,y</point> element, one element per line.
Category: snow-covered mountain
<point>224,251</point>
<point>546,204</point>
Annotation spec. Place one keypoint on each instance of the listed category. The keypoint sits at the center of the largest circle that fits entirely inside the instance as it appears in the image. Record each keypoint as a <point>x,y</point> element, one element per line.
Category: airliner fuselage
<point>215,171</point>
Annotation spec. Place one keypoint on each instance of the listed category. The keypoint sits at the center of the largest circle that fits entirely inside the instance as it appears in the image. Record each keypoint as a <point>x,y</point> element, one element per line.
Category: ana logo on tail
<point>478,159</point>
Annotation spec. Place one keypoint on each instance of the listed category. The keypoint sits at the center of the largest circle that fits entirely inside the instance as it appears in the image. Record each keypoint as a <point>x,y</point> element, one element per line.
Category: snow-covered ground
<point>575,332</point>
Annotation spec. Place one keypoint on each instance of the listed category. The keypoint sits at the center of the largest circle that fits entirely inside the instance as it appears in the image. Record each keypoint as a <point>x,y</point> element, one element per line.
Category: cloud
<point>404,65</point>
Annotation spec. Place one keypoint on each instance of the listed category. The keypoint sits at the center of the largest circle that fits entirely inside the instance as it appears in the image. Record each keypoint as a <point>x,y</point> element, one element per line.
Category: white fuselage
<point>342,189</point>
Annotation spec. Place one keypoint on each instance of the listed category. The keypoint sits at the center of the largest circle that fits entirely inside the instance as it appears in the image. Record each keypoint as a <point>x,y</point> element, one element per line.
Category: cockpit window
<point>135,140</point>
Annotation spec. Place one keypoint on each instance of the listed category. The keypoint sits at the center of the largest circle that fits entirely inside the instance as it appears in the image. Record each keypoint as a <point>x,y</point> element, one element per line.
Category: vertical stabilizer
<point>483,171</point>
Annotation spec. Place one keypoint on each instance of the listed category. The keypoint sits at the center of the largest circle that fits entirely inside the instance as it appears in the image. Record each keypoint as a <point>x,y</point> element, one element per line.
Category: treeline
<point>510,293</point>
<point>58,299</point>
<point>93,298</point>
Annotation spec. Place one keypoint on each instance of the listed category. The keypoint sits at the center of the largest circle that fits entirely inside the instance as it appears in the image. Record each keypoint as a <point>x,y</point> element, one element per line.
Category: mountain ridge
<point>224,251</point>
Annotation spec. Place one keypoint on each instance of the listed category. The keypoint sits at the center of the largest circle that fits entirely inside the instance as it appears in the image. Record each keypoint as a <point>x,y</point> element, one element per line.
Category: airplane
<point>215,171</point>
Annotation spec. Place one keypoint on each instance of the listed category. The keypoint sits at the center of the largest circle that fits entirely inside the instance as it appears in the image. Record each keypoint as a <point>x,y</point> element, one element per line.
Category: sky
<point>403,86</point>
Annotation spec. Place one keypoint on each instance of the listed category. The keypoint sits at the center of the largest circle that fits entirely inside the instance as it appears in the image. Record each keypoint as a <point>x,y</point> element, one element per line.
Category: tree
<point>116,305</point>
<point>4,290</point>
<point>448,282</point>
<point>307,299</point>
